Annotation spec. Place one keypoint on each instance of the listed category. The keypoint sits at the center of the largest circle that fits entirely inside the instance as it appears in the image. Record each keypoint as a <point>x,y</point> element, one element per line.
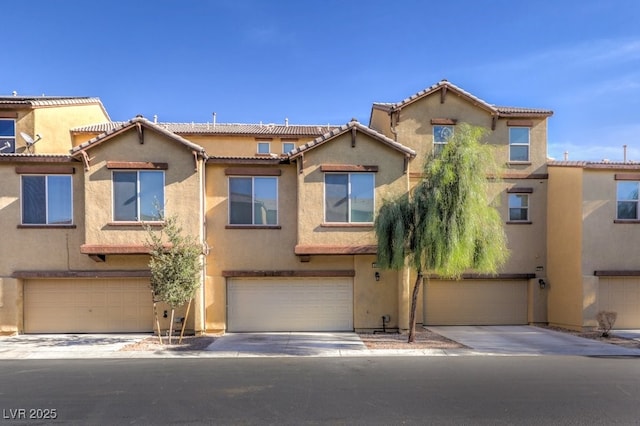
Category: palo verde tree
<point>447,224</point>
<point>175,266</point>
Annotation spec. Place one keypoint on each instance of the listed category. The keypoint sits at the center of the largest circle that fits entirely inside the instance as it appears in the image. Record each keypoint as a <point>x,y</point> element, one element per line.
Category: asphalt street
<point>369,390</point>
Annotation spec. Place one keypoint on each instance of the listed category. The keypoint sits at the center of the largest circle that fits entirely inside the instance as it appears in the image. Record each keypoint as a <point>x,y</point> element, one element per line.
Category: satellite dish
<point>30,141</point>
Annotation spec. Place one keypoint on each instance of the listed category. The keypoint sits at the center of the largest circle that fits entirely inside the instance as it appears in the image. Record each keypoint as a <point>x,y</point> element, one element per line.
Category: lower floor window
<point>518,207</point>
<point>253,201</point>
<point>47,200</point>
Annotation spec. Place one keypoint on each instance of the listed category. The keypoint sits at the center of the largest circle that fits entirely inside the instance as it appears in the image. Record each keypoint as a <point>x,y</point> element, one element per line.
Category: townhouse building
<point>284,214</point>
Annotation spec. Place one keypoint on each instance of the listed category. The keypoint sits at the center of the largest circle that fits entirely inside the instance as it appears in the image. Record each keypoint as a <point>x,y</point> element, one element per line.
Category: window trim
<point>253,225</point>
<point>116,222</point>
<point>47,224</point>
<point>355,171</point>
<point>528,144</point>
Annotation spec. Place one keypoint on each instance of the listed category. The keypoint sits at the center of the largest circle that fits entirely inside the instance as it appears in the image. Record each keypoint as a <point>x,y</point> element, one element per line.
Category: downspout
<point>205,246</point>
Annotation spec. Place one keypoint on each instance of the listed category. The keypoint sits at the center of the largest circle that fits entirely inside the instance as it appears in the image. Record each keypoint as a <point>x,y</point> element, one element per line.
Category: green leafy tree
<point>175,267</point>
<point>447,224</point>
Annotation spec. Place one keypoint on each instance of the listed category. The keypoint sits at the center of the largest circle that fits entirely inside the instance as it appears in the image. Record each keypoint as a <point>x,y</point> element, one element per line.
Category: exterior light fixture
<point>542,283</point>
<point>377,275</point>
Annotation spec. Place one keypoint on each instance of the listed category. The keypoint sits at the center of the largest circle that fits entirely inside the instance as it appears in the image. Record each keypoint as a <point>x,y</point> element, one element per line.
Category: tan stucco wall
<point>243,146</point>
<point>390,181</point>
<point>564,247</point>
<point>526,241</point>
<point>416,131</point>
<point>536,302</point>
<point>606,245</point>
<point>373,299</point>
<point>39,248</point>
<point>54,125</point>
<point>381,122</point>
<point>10,305</point>
<point>182,186</point>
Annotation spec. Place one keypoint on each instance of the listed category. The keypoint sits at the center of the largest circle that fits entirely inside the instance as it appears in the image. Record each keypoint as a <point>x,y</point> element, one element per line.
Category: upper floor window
<point>441,134</point>
<point>627,198</point>
<point>288,146</point>
<point>47,200</point>
<point>519,143</point>
<point>138,195</point>
<point>253,200</point>
<point>518,207</point>
<point>264,147</point>
<point>7,136</point>
<point>349,197</point>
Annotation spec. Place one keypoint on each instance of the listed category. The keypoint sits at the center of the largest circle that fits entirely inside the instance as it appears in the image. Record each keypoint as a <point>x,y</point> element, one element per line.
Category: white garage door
<point>621,295</point>
<point>305,304</point>
<point>475,302</point>
<point>88,306</point>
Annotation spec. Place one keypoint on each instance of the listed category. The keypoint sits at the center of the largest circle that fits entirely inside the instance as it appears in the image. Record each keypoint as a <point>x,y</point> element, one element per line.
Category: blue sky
<point>326,61</point>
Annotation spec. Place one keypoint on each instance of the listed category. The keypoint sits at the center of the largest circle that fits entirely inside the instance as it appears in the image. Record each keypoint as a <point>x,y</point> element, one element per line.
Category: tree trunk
<point>155,315</point>
<point>414,304</point>
<point>184,321</point>
<point>171,325</point>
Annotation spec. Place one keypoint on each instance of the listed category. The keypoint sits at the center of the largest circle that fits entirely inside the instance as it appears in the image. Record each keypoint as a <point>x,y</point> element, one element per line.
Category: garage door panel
<point>85,306</point>
<point>475,302</point>
<point>621,295</point>
<point>290,305</point>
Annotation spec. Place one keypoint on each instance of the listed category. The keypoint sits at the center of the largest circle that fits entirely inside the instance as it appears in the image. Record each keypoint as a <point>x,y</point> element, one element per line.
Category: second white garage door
<point>303,304</point>
<point>621,295</point>
<point>475,302</point>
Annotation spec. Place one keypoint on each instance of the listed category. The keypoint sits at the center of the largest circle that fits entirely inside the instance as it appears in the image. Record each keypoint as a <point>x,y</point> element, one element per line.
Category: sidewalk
<point>486,341</point>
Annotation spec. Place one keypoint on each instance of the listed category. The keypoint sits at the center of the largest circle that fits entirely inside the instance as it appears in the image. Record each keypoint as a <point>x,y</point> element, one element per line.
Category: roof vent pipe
<point>624,149</point>
<point>286,122</point>
<point>566,156</point>
<point>14,93</point>
<point>155,118</point>
<point>214,119</point>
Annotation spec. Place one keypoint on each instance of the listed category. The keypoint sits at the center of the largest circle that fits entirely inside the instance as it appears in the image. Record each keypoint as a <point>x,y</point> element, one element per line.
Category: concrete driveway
<point>31,346</point>
<point>528,340</point>
<point>287,344</point>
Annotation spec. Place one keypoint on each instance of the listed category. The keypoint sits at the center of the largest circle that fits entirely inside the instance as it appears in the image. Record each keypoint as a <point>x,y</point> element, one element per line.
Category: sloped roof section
<point>137,121</point>
<point>285,130</point>
<point>446,85</point>
<point>347,128</point>
<point>604,164</point>
<point>44,101</point>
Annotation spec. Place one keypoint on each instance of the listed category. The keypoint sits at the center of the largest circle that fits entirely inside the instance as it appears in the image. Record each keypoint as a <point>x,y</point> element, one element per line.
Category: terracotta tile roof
<point>347,127</point>
<point>39,101</point>
<point>123,126</point>
<point>276,159</point>
<point>47,158</point>
<point>444,84</point>
<point>224,129</point>
<point>604,164</point>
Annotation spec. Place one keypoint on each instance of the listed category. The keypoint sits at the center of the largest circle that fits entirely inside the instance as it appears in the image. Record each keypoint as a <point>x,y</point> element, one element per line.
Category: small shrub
<point>606,320</point>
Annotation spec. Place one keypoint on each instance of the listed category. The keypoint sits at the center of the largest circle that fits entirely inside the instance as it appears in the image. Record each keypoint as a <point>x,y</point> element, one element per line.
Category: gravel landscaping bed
<point>189,343</point>
<point>425,339</point>
<point>597,335</point>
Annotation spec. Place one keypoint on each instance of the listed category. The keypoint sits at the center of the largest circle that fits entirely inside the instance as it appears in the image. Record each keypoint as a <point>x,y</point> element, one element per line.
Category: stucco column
<point>404,299</point>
